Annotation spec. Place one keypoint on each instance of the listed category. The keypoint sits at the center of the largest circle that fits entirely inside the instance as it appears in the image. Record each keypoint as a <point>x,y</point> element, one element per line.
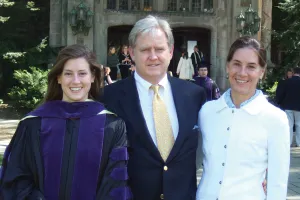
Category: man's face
<point>152,55</point>
<point>195,49</point>
<point>289,74</point>
<point>202,72</point>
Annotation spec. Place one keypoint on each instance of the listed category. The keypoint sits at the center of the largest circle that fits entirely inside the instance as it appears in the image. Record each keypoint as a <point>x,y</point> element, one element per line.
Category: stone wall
<point>221,24</point>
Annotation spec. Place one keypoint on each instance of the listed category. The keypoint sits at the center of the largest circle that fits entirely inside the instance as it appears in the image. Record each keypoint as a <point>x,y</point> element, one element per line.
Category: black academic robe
<point>24,170</point>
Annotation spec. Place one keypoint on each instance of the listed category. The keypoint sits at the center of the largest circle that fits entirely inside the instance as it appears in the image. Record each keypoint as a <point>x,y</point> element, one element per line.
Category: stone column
<point>100,33</point>
<point>160,6</point>
<point>266,28</point>
<point>55,35</point>
<point>223,36</point>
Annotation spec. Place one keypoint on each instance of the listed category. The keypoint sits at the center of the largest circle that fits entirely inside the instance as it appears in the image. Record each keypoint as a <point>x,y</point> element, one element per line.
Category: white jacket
<point>239,145</point>
<point>185,68</point>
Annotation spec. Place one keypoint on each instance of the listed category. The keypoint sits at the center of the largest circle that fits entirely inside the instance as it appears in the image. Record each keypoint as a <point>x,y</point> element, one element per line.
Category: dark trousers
<point>113,73</point>
<point>124,70</point>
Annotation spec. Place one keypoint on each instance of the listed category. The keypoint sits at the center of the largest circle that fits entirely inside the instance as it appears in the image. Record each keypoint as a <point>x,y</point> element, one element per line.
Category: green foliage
<point>5,4</point>
<point>24,30</point>
<point>31,5</point>
<point>288,35</point>
<point>14,57</point>
<point>272,91</point>
<point>33,86</point>
<point>1,101</point>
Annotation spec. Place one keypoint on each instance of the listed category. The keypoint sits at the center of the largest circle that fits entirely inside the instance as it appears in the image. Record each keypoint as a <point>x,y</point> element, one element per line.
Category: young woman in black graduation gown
<point>70,147</point>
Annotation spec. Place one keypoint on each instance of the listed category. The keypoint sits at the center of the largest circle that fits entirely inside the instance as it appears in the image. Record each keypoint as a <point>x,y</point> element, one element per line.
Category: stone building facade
<point>209,22</point>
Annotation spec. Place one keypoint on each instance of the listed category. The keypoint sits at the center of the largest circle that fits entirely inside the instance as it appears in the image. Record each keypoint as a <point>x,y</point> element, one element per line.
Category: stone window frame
<point>172,5</point>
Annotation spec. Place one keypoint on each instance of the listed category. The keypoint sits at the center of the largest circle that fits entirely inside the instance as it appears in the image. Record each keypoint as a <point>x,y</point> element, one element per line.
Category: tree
<point>24,41</point>
<point>289,35</point>
<point>5,3</point>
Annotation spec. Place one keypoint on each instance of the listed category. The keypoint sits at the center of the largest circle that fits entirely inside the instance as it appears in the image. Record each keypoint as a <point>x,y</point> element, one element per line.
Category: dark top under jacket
<point>40,169</point>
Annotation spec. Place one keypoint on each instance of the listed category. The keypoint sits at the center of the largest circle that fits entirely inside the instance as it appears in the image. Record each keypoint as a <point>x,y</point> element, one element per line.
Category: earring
<point>227,76</point>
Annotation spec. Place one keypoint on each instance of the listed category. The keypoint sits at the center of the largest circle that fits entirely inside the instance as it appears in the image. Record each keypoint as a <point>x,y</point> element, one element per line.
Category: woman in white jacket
<point>243,134</point>
<point>185,68</point>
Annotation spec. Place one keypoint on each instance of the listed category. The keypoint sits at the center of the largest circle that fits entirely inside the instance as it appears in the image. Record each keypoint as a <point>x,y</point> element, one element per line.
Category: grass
<point>1,157</point>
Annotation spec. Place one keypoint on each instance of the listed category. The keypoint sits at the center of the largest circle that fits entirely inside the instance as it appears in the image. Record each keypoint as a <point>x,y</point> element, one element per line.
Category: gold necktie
<point>163,128</point>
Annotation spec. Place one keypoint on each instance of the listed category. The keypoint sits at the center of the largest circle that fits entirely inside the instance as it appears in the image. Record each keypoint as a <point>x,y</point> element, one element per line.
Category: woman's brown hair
<point>248,42</point>
<point>54,91</point>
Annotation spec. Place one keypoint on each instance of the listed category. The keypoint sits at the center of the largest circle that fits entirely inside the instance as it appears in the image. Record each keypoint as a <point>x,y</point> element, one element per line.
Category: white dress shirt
<point>239,145</point>
<point>146,97</point>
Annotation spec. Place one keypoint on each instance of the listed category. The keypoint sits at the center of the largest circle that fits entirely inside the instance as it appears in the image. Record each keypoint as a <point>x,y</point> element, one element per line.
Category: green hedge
<point>31,89</point>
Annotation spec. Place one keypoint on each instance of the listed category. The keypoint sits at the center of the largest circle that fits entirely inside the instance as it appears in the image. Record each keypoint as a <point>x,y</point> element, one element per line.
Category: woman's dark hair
<point>109,50</point>
<point>185,55</point>
<point>248,42</point>
<point>54,91</point>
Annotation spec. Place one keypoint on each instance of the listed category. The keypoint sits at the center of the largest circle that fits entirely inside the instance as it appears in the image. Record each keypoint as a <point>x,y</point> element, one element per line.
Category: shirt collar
<point>230,103</point>
<point>253,106</point>
<point>146,85</point>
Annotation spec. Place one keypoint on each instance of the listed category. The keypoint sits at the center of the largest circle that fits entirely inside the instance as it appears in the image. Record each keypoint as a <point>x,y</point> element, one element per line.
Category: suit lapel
<point>180,99</point>
<point>134,116</point>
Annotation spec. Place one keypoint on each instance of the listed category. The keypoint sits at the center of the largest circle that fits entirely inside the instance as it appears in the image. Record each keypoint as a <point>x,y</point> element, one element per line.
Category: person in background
<point>196,59</point>
<point>160,113</point>
<point>289,73</point>
<point>288,98</point>
<point>107,78</point>
<point>210,86</point>
<point>185,68</point>
<point>70,147</point>
<point>243,134</point>
<point>125,62</point>
<point>113,62</point>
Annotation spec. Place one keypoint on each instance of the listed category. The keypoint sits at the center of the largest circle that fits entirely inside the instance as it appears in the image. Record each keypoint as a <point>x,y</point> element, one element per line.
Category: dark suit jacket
<point>198,59</point>
<point>149,175</point>
<point>288,94</point>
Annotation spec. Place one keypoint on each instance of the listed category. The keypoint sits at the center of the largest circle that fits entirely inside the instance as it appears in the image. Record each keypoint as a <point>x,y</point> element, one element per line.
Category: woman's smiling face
<point>76,80</point>
<point>244,73</point>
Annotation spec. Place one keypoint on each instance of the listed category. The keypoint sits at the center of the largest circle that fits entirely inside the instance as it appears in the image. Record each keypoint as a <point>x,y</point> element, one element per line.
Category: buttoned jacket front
<point>239,145</point>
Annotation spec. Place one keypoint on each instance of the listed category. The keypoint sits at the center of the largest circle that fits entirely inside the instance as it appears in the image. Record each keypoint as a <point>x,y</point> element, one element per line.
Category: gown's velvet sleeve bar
<point>114,182</point>
<point>20,179</point>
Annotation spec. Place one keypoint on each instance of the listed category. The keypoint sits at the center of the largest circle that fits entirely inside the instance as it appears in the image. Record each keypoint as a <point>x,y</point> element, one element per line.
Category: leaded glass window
<point>148,5</point>
<point>135,5</point>
<point>209,4</point>
<point>111,4</point>
<point>184,5</point>
<point>196,5</point>
<point>172,5</point>
<point>123,4</point>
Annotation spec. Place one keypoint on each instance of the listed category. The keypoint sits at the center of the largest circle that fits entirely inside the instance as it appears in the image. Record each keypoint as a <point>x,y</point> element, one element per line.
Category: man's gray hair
<point>150,24</point>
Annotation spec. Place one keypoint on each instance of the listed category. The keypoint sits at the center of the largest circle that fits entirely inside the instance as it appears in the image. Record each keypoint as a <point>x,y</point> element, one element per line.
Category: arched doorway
<point>182,35</point>
<point>118,35</point>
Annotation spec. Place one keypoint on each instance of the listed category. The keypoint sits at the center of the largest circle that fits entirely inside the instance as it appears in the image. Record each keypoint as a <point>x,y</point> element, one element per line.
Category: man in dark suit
<point>161,115</point>
<point>196,58</point>
<point>288,98</point>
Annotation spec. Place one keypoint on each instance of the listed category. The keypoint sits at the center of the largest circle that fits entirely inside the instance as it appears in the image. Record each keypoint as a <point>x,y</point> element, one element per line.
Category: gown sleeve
<point>20,176</point>
<point>113,185</point>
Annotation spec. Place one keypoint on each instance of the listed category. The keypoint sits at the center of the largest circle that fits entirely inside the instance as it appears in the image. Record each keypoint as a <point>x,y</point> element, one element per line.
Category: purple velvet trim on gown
<point>89,148</point>
<point>52,145</point>
<point>65,110</point>
<point>119,173</point>
<point>88,158</point>
<point>121,193</point>
<point>118,154</point>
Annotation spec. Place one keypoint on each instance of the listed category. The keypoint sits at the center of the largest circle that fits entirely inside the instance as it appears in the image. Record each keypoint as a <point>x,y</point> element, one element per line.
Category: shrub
<point>32,88</point>
<point>1,101</point>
